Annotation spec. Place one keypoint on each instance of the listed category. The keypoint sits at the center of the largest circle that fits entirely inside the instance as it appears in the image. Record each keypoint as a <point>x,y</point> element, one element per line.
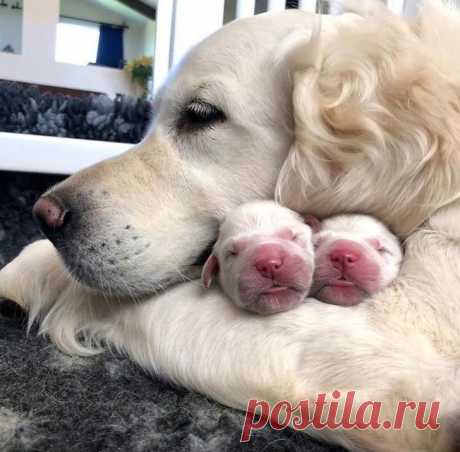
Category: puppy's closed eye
<point>379,246</point>
<point>199,114</point>
<point>231,252</point>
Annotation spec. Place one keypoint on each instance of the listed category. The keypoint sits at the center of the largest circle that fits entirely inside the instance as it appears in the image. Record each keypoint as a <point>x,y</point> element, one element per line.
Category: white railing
<point>245,9</point>
<point>183,23</point>
<point>397,6</point>
<point>54,155</point>
<point>180,25</point>
<point>308,5</point>
<point>276,5</point>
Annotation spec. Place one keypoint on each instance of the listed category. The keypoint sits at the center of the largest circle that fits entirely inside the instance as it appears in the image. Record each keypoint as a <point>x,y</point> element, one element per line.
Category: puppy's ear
<point>313,222</point>
<point>210,269</point>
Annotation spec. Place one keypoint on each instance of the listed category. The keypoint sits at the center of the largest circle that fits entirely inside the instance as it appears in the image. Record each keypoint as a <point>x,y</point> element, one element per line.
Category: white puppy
<point>355,257</point>
<point>264,257</point>
<point>265,260</point>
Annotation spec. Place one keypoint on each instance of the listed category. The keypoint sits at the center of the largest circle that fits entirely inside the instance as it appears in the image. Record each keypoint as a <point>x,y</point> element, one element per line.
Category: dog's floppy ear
<point>210,269</point>
<point>370,110</point>
<point>302,52</point>
<point>299,50</point>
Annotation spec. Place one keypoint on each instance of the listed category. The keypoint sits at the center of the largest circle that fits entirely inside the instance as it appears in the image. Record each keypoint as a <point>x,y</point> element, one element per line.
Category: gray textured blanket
<point>53,402</point>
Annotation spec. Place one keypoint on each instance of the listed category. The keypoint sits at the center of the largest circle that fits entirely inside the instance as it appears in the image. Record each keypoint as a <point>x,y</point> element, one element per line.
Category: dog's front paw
<point>36,272</point>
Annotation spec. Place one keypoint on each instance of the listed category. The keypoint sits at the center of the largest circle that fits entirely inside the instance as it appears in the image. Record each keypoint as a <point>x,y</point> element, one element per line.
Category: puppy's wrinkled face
<point>355,257</point>
<point>264,257</point>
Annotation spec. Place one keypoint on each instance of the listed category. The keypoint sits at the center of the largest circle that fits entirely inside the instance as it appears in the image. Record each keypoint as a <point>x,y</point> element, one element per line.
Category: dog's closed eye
<point>199,114</point>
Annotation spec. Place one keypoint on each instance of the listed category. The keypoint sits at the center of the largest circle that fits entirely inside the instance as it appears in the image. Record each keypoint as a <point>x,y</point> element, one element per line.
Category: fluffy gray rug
<point>53,402</point>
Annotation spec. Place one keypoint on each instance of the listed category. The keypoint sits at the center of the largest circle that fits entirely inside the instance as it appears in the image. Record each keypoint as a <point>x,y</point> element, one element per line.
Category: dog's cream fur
<point>377,129</point>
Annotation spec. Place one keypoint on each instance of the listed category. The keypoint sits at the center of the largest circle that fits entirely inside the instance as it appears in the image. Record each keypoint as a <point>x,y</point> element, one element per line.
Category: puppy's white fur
<point>363,230</point>
<point>377,129</point>
<point>258,223</point>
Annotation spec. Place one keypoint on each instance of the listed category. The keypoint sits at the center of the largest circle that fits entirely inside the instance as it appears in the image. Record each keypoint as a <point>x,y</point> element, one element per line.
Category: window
<point>77,42</point>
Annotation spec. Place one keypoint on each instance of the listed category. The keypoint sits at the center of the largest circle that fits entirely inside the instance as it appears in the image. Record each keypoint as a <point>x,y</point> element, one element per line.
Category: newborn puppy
<point>264,258</point>
<point>355,256</point>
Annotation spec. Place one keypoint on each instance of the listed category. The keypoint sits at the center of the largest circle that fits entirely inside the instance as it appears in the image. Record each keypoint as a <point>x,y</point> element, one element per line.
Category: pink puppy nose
<point>269,259</point>
<point>345,254</point>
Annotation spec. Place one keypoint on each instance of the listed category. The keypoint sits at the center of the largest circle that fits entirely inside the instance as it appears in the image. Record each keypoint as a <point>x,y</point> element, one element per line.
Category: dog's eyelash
<point>199,114</point>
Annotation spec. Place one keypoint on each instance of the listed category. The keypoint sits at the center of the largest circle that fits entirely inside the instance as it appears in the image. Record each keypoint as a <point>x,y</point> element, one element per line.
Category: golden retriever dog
<point>355,113</point>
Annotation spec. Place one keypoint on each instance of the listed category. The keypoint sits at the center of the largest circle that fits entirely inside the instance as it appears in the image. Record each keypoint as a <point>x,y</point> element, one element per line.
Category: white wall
<point>134,42</point>
<point>134,35</point>
<point>11,29</point>
<point>88,10</point>
<point>37,62</point>
<point>149,38</point>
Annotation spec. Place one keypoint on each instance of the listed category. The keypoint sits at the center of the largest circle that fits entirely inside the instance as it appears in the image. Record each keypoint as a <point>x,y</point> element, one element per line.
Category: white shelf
<point>33,153</point>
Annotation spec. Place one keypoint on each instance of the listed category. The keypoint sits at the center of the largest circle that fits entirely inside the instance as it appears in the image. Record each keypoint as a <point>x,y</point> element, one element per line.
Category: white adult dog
<point>362,114</point>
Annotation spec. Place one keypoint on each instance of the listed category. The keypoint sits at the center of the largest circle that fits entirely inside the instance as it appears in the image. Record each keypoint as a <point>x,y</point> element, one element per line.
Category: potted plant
<point>141,70</point>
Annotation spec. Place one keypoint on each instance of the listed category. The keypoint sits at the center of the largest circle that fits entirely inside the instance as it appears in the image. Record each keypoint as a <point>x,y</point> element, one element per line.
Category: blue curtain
<point>110,48</point>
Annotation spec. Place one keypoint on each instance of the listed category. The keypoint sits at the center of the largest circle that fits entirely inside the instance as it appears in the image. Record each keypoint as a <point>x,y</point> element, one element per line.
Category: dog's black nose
<point>50,215</point>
